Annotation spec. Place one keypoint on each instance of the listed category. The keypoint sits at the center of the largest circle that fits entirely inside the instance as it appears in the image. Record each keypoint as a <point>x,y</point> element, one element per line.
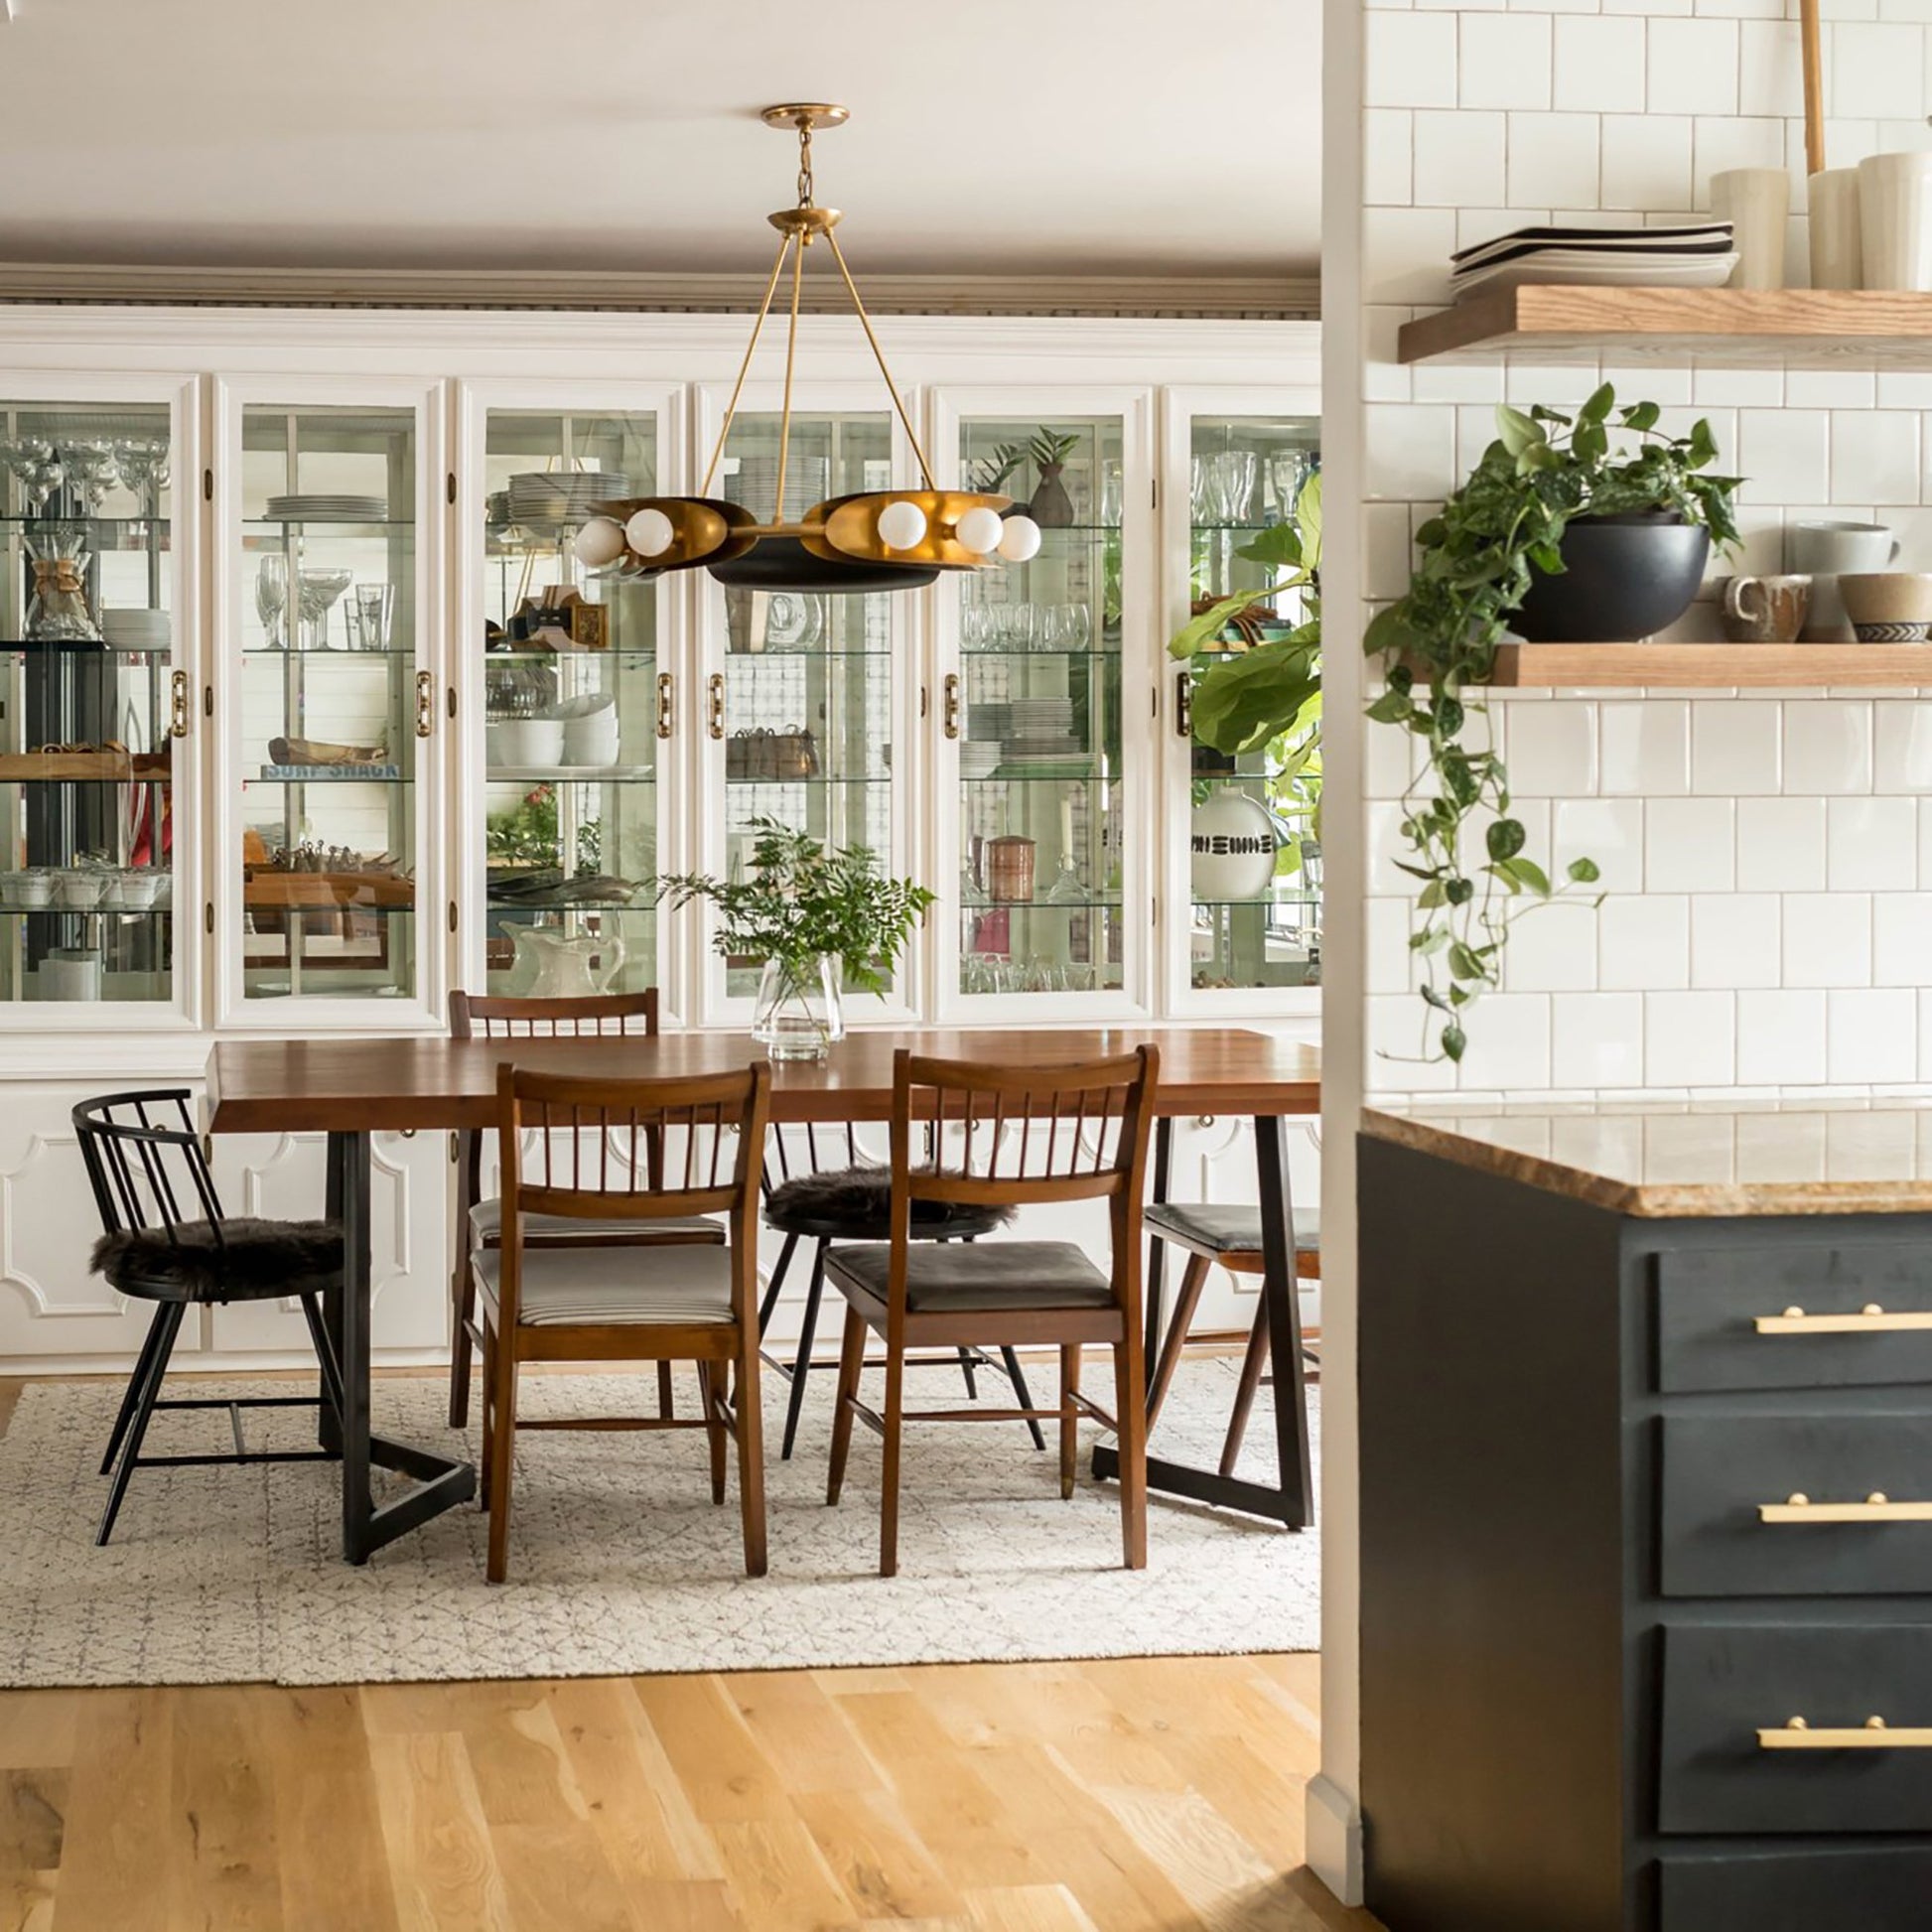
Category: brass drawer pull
<point>949,705</point>
<point>1870,1319</point>
<point>178,705</point>
<point>1877,1508</point>
<point>425,704</point>
<point>714,687</point>
<point>1875,1734</point>
<point>666,693</point>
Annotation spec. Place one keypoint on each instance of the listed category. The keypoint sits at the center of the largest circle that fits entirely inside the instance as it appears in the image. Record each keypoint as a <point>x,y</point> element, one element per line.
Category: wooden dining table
<point>351,1089</point>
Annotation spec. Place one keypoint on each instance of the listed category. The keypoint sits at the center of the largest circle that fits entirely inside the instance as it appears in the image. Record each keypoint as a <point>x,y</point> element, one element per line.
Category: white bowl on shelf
<point>590,741</point>
<point>82,891</point>
<point>529,741</point>
<point>139,890</point>
<point>30,888</point>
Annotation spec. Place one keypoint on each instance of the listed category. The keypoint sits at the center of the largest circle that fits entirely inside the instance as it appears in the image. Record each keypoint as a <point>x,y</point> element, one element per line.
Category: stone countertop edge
<point>1645,1200</point>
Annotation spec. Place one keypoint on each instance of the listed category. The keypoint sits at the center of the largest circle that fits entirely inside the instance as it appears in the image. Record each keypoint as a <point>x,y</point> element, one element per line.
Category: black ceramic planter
<point>1624,578</point>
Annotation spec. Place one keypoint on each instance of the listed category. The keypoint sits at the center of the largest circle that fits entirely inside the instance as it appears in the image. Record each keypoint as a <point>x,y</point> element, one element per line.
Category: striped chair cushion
<point>565,1286</point>
<point>547,1230</point>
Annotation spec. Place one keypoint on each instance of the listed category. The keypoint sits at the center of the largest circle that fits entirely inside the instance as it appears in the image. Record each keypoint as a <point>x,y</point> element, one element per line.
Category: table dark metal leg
<point>1289,1500</point>
<point>329,1428</point>
<point>440,1482</point>
<point>1156,1260</point>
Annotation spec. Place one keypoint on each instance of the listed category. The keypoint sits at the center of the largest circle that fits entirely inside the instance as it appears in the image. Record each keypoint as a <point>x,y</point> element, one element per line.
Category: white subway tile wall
<point>1766,919</point>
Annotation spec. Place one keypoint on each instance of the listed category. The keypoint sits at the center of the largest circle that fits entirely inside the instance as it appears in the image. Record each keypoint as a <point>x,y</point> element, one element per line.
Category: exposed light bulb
<point>649,532</point>
<point>598,542</point>
<point>979,530</point>
<point>1019,539</point>
<point>902,525</point>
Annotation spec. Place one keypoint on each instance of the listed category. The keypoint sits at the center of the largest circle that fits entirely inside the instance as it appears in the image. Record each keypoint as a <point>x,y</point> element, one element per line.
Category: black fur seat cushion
<point>855,1204</point>
<point>256,1259</point>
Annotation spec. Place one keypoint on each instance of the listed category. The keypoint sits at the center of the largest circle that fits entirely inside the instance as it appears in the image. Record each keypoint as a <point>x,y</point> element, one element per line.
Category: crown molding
<point>1206,297</point>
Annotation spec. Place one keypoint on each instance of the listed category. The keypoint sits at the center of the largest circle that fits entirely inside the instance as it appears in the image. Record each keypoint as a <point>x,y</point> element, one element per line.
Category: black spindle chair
<point>833,1194</point>
<point>166,1240</point>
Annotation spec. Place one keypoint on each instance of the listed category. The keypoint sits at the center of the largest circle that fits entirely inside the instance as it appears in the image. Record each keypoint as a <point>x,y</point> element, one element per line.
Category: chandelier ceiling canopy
<point>875,540</point>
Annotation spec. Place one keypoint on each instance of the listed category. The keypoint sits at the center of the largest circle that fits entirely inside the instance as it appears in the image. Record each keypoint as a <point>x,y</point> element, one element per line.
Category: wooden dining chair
<point>475,1015</point>
<point>1212,1233</point>
<point>639,1152</point>
<point>1021,1136</point>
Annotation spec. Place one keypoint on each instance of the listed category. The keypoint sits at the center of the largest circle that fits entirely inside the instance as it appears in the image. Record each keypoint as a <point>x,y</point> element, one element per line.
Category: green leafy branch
<point>797,901</point>
<point>1476,561</point>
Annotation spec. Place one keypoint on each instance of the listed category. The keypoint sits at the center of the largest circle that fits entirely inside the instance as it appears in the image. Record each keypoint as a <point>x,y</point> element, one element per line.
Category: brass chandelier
<point>875,540</point>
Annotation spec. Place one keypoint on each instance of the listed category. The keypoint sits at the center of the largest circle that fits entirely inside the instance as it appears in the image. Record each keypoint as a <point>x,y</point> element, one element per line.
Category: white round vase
<point>1233,839</point>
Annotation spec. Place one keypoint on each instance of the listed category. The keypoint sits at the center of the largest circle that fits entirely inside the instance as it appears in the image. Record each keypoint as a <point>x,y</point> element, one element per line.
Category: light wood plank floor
<point>1139,1795</point>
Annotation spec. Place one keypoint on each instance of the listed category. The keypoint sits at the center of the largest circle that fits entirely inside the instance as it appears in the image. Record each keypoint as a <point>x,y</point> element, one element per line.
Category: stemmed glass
<point>143,467</point>
<point>272,598</point>
<point>316,595</point>
<point>1288,475</point>
<point>38,468</point>
<point>90,470</point>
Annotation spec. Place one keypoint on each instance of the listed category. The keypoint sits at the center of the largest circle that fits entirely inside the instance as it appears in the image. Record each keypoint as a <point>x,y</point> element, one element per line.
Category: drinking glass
<point>1112,491</point>
<point>316,595</point>
<point>1079,626</point>
<point>1233,488</point>
<point>1023,627</point>
<point>372,612</point>
<point>1288,475</point>
<point>36,466</point>
<point>90,470</point>
<point>1201,493</point>
<point>272,598</point>
<point>143,466</point>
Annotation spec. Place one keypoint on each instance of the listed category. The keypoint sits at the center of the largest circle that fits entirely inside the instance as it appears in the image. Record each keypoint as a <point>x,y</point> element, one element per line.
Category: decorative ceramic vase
<point>1755,202</point>
<point>1233,839</point>
<point>554,965</point>
<point>1051,507</point>
<point>1833,231</point>
<point>1623,578</point>
<point>799,1013</point>
<point>1895,221</point>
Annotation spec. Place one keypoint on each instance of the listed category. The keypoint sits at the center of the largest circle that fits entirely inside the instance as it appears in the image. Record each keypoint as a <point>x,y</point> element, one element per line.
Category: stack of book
<point>1699,257</point>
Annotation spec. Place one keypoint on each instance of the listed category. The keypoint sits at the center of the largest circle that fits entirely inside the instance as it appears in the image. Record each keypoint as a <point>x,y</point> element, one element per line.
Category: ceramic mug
<point>1888,606</point>
<point>1837,244</point>
<point>1755,202</point>
<point>1895,221</point>
<point>1825,551</point>
<point>1764,610</point>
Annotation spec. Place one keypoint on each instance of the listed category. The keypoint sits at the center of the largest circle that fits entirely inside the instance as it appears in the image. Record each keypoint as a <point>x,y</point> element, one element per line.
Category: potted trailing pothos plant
<point>1265,693</point>
<point>1509,530</point>
<point>815,921</point>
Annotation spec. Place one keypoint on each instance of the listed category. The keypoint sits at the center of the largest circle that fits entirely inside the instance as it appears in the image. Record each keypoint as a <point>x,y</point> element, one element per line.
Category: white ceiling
<point>1014,137</point>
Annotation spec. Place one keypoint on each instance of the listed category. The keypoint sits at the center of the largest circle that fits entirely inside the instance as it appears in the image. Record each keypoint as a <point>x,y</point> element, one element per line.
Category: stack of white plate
<point>1696,257</point>
<point>132,629</point>
<point>317,508</point>
<point>563,497</point>
<point>808,481</point>
<point>1042,727</point>
<point>979,759</point>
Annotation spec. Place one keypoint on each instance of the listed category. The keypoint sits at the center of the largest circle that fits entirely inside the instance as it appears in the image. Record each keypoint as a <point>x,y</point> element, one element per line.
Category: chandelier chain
<point>804,163</point>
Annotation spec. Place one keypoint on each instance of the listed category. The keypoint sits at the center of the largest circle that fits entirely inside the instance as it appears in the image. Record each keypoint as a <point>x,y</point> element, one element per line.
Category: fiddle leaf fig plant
<point>1474,565</point>
<point>1268,695</point>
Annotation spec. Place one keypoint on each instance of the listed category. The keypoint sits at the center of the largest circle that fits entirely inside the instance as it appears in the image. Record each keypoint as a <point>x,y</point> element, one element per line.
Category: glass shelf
<point>585,774</point>
<point>324,653</point>
<point>327,524</point>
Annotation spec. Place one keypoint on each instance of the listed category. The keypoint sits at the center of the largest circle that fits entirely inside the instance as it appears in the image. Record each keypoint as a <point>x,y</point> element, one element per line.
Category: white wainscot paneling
<point>51,1307</point>
<point>283,1177</point>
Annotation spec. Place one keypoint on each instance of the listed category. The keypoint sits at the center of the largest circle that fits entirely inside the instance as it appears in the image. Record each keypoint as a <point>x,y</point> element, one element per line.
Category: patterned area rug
<point>620,1563</point>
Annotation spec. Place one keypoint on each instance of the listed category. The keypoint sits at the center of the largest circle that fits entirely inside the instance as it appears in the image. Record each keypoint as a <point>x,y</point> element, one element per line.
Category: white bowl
<point>139,890</point>
<point>591,746</point>
<point>31,888</point>
<point>529,741</point>
<point>82,891</point>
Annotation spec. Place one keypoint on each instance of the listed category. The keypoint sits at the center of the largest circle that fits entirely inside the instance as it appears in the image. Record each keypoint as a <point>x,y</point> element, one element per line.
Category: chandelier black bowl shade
<point>784,563</point>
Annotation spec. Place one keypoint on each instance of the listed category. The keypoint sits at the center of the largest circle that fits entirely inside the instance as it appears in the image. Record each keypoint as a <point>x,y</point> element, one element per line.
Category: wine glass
<point>1112,494</point>
<point>1288,475</point>
<point>315,594</point>
<point>272,598</point>
<point>90,470</point>
<point>143,466</point>
<point>37,468</point>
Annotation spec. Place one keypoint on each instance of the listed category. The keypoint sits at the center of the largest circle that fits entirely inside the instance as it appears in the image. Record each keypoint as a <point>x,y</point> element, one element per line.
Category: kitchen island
<point>1646,1467</point>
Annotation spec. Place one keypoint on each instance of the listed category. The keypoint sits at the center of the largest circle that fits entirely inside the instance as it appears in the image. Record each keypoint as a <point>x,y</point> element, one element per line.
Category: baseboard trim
<point>1333,1826</point>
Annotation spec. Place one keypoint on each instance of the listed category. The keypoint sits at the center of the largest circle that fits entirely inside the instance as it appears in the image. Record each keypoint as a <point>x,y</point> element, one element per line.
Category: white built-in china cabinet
<point>290,610</point>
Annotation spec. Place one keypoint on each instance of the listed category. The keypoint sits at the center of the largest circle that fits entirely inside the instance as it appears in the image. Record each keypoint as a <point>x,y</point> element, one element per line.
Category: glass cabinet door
<point>804,702</point>
<point>88,706</point>
<point>333,707</point>
<point>1254,880</point>
<point>1042,856</point>
<point>574,703</point>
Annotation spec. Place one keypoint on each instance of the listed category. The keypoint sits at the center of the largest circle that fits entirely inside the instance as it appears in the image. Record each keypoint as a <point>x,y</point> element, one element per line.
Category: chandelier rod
<point>791,344</point>
<point>743,368</point>
<point>879,356</point>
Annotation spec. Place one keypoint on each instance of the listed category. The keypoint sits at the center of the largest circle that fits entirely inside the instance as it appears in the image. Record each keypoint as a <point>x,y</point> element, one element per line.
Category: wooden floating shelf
<point>326,890</point>
<point>153,767</point>
<point>1544,667</point>
<point>1734,327</point>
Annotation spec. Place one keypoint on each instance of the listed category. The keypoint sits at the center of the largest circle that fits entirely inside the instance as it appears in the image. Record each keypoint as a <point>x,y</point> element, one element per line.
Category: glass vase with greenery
<point>818,920</point>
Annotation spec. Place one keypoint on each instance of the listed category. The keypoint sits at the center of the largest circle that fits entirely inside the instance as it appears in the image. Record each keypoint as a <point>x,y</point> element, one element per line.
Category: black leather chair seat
<point>994,1276</point>
<point>242,1260</point>
<point>855,1204</point>
<point>1229,1228</point>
